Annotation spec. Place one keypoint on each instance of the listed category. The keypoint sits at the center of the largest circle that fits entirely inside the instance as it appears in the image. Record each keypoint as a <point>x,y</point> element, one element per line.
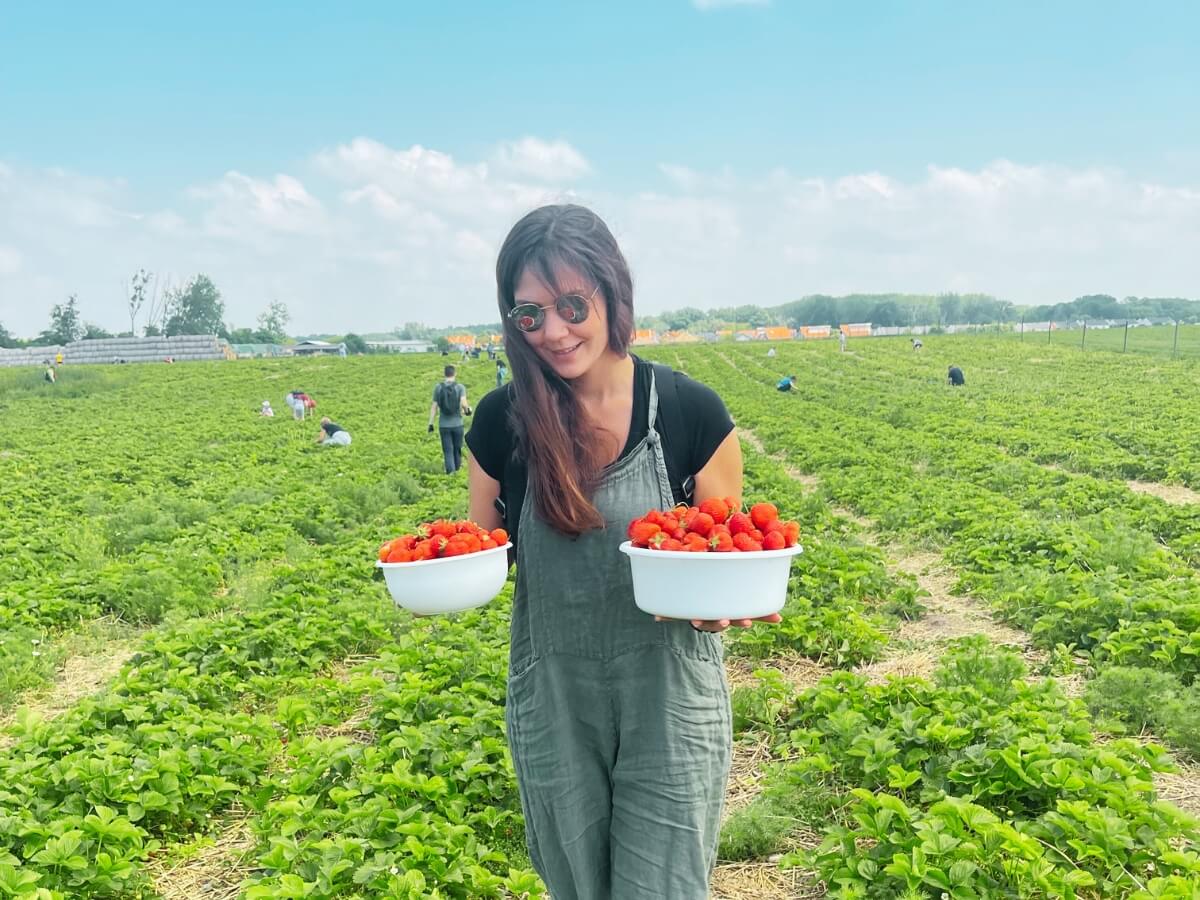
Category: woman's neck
<point>611,376</point>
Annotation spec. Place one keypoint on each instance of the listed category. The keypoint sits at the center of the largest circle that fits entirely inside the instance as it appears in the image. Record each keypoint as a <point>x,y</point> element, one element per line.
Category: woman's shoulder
<point>492,409</point>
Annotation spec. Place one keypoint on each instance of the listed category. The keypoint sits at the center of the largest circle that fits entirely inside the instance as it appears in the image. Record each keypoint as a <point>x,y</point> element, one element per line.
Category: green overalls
<point>619,726</point>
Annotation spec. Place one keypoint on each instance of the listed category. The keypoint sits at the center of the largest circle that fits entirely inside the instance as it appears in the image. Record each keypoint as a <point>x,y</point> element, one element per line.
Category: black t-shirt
<point>331,428</point>
<point>705,418</point>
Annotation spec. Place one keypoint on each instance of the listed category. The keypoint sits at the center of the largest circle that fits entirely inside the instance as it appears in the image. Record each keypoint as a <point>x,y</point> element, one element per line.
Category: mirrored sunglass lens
<point>528,317</point>
<point>572,307</point>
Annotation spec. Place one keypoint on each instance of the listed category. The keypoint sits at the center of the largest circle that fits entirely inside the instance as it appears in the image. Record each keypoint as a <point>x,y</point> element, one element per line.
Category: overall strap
<point>683,489</point>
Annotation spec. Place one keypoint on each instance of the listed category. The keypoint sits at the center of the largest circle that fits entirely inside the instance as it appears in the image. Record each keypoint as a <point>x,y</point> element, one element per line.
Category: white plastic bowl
<point>685,585</point>
<point>433,586</point>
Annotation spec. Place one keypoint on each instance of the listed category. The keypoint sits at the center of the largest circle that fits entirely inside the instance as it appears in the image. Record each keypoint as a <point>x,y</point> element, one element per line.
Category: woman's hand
<point>716,626</point>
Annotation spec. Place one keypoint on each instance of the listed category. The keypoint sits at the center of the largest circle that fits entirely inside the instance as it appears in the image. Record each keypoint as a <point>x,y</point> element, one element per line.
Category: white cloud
<point>721,4</point>
<point>10,260</point>
<point>532,157</point>
<point>365,236</point>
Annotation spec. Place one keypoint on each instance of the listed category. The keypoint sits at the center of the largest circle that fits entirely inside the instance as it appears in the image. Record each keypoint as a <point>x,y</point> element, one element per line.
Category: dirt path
<point>1175,494</point>
<point>80,676</point>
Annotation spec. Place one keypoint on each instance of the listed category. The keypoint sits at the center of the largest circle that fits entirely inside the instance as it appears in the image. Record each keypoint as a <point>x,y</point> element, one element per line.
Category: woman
<point>619,725</point>
<point>501,373</point>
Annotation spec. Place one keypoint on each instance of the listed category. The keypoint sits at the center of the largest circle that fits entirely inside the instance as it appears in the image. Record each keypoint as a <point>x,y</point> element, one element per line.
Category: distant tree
<point>442,344</point>
<point>6,338</point>
<point>272,324</point>
<point>65,324</point>
<point>243,336</point>
<point>152,331</point>
<point>355,344</point>
<point>94,332</point>
<point>197,309</point>
<point>949,309</point>
<point>136,296</point>
<point>886,312</point>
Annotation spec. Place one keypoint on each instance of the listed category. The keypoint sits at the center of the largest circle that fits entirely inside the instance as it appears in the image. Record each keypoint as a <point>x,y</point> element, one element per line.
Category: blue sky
<point>138,114</point>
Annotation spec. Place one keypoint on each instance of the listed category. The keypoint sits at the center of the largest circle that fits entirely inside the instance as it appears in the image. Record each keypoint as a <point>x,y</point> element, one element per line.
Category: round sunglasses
<point>573,308</point>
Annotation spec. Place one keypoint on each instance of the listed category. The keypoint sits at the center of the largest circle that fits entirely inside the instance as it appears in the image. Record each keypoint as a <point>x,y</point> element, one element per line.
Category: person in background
<point>332,434</point>
<point>955,376</point>
<point>450,405</point>
<point>58,358</point>
<point>501,371</point>
<point>300,404</point>
<point>786,384</point>
<point>916,342</point>
<point>842,341</point>
<point>771,353</point>
<point>266,410</point>
<point>49,376</point>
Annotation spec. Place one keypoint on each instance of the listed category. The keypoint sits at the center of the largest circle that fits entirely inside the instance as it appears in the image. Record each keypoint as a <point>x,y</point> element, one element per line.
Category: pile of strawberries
<point>715,525</point>
<point>438,540</point>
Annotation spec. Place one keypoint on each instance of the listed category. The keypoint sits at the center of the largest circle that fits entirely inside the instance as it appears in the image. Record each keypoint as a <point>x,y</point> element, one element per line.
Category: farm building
<point>318,348</point>
<point>253,351</point>
<point>401,346</point>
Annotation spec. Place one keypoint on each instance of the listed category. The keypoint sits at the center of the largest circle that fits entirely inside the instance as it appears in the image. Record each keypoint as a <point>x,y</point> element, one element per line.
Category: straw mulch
<point>215,870</point>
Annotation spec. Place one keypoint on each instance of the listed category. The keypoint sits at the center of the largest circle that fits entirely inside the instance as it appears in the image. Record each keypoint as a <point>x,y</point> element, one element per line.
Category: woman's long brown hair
<point>559,445</point>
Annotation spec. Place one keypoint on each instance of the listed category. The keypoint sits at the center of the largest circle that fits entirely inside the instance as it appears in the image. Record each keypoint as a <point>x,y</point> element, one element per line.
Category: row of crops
<point>274,686</point>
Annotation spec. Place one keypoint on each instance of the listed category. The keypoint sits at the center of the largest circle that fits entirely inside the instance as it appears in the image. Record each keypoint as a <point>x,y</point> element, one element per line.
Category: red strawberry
<point>671,544</point>
<point>486,543</point>
<point>715,507</point>
<point>773,540</point>
<point>399,555</point>
<point>701,524</point>
<point>745,543</point>
<point>773,525</point>
<point>442,528</point>
<point>499,535</point>
<point>679,533</point>
<point>720,529</point>
<point>424,550</point>
<point>791,533</point>
<point>695,543</point>
<point>733,504</point>
<point>720,541</point>
<point>756,536</point>
<point>762,513</point>
<point>739,523</point>
<point>455,548</point>
<point>385,551</point>
<point>642,533</point>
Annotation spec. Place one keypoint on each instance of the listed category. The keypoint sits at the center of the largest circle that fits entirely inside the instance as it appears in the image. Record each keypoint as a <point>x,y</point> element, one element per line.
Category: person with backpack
<point>501,373</point>
<point>618,723</point>
<point>450,405</point>
<point>786,384</point>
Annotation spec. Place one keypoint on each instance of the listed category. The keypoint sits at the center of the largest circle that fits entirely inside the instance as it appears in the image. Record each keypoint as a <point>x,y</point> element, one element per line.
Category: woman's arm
<point>722,474</point>
<point>483,490</point>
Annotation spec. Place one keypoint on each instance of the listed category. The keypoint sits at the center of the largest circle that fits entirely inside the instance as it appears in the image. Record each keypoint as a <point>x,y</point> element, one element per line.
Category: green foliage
<point>66,325</point>
<point>197,308</point>
<point>1140,698</point>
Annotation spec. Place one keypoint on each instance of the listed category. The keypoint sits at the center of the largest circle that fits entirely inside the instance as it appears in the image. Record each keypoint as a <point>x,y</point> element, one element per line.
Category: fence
<point>1157,337</point>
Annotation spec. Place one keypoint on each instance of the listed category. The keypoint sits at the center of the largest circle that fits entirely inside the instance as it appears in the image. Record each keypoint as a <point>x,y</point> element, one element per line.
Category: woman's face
<point>569,349</point>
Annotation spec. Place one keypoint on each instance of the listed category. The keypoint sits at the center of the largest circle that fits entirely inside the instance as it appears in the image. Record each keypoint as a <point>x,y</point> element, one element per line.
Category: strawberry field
<point>274,728</point>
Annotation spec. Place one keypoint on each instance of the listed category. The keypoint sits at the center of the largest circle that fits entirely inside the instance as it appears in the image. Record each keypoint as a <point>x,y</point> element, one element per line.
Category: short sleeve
<point>708,420</point>
<point>489,439</point>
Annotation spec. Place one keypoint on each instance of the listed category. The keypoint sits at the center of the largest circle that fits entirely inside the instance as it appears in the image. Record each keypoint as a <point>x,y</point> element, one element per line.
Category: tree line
<point>936,310</point>
<point>194,308</point>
